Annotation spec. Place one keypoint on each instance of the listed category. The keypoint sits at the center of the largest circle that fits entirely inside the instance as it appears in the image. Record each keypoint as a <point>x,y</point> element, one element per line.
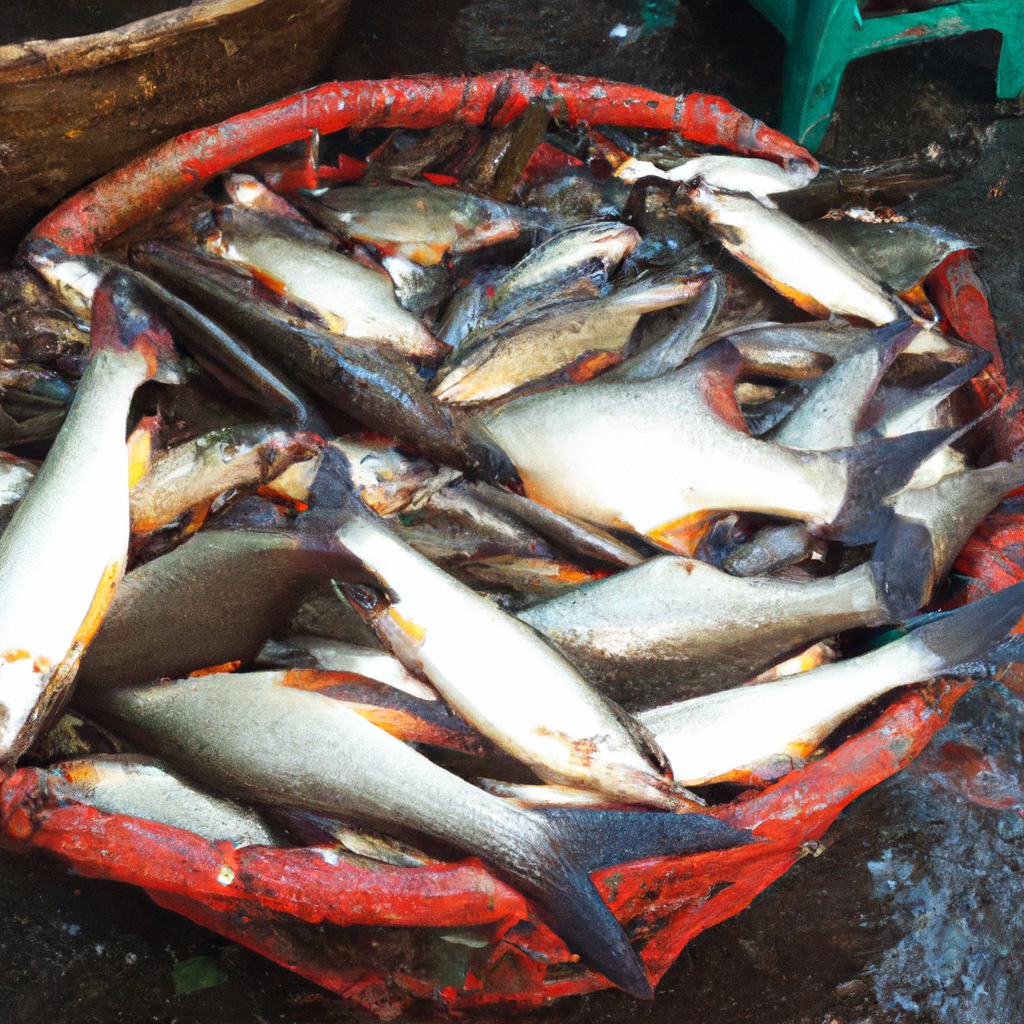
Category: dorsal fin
<point>717,367</point>
<point>411,719</point>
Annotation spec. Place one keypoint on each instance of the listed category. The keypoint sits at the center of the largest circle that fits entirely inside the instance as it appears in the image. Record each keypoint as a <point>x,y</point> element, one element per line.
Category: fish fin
<point>482,458</point>
<point>874,470</point>
<point>408,718</point>
<point>677,346</point>
<point>902,565</point>
<point>717,367</point>
<point>576,912</point>
<point>937,392</point>
<point>970,633</point>
<point>559,876</point>
<point>600,838</point>
<point>890,339</point>
<point>332,495</point>
<point>124,320</point>
<point>1000,479</point>
<point>959,375</point>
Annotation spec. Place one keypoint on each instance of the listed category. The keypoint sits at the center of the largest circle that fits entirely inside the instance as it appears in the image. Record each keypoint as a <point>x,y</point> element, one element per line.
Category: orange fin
<point>719,367</point>
<point>405,717</point>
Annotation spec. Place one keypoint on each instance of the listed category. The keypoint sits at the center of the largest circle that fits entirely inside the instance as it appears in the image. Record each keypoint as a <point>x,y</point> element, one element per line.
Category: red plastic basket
<point>294,905</point>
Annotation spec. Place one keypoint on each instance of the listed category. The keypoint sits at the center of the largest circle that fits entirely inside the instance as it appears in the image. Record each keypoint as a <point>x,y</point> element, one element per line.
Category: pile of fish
<point>524,498</point>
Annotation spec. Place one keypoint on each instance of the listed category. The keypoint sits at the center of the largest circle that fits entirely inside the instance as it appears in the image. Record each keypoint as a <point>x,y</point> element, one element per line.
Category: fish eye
<point>364,596</point>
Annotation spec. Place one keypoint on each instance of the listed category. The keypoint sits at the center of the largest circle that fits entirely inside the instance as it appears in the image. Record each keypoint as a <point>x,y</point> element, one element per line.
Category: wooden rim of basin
<point>43,58</point>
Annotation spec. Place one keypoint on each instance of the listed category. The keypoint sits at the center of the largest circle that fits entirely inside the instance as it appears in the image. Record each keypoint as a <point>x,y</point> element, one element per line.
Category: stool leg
<point>815,59</point>
<point>1010,77</point>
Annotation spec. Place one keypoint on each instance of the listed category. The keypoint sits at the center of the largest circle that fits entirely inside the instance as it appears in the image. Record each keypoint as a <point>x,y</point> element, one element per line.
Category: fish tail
<point>930,397</point>
<point>875,470</point>
<point>902,565</point>
<point>972,632</point>
<point>574,842</point>
<point>890,339</point>
<point>124,319</point>
<point>996,481</point>
<point>677,346</point>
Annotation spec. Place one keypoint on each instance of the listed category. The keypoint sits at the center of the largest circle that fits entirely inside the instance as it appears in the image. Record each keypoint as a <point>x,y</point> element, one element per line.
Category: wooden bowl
<point>71,109</point>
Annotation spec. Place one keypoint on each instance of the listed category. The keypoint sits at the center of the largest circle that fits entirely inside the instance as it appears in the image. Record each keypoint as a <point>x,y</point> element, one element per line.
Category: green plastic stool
<point>823,36</point>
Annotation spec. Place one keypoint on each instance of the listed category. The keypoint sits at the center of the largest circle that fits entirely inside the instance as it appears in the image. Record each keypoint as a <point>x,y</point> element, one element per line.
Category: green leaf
<point>192,975</point>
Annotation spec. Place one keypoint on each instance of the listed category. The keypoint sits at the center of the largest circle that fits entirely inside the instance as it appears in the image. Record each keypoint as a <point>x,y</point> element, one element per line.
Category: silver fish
<point>952,509</point>
<point>571,534</point>
<point>818,276</point>
<point>452,526</point>
<point>140,787</point>
<point>920,409</point>
<point>73,279</point>
<point>191,475</point>
<point>276,745</point>
<point>675,625</point>
<point>732,173</point>
<point>549,339</point>
<point>63,554</point>
<point>834,338</point>
<point>422,223</point>
<point>558,262</point>
<point>645,455</point>
<point>464,310</point>
<point>236,218</point>
<point>724,735</point>
<point>352,299</point>
<point>213,600</point>
<point>251,193</point>
<point>676,347</point>
<point>508,683</point>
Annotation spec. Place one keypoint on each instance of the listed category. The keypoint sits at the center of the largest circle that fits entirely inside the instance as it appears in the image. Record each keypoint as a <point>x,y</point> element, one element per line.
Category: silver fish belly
<point>503,679</point>
<point>63,554</point>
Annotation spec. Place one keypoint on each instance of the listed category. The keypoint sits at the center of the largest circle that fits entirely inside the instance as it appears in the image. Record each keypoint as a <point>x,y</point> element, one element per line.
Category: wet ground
<point>913,911</point>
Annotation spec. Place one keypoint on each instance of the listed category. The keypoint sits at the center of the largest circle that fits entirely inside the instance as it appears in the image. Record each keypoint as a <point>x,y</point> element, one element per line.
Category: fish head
<point>125,319</point>
<point>402,638</point>
<point>72,277</point>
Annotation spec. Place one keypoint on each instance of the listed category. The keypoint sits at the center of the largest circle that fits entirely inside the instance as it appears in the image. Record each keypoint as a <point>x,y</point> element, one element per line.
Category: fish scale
<point>73,524</point>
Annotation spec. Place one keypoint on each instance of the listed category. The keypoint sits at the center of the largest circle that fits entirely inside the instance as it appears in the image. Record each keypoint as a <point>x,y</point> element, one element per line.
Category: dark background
<point>913,912</point>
